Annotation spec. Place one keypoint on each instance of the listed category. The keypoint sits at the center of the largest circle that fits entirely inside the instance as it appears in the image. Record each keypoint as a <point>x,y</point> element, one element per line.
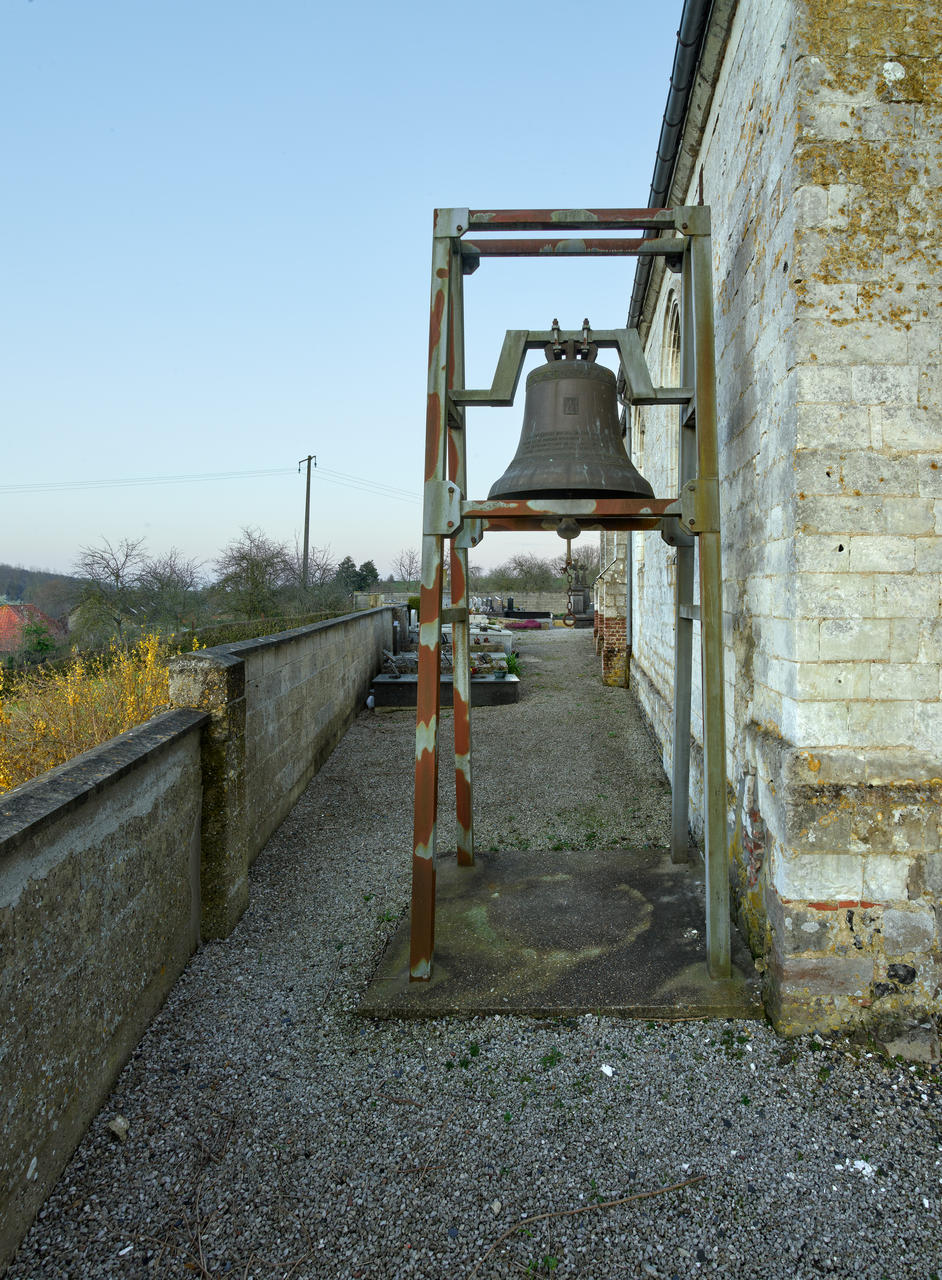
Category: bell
<point>570,445</point>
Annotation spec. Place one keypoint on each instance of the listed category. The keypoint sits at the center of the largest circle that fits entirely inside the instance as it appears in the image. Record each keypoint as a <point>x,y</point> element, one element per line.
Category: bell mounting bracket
<point>517,342</point>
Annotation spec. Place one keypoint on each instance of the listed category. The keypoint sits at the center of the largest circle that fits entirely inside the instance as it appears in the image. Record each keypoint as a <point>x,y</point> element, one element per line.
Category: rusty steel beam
<point>460,626</point>
<point>595,247</point>
<point>513,512</point>
<point>587,524</point>
<point>569,219</point>
<point>422,934</point>
<point>712,652</point>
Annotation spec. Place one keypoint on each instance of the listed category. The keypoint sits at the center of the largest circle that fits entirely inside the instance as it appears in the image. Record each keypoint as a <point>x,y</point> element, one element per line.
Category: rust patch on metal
<point>422,940</point>
<point>435,325</point>
<point>463,815</point>
<point>432,448</point>
<point>459,588</point>
<point>462,725</point>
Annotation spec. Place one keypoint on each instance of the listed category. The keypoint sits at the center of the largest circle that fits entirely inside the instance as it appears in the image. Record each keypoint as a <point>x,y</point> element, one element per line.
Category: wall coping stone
<point>26,809</point>
<point>241,648</point>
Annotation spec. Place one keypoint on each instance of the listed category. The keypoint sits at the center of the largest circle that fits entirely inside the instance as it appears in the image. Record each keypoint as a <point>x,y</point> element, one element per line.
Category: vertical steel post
<point>422,938</point>
<point>711,601</point>
<point>683,595</point>
<point>460,603</point>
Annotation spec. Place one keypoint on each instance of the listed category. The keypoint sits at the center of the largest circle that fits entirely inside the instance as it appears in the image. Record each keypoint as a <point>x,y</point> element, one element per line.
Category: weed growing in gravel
<point>550,1059</point>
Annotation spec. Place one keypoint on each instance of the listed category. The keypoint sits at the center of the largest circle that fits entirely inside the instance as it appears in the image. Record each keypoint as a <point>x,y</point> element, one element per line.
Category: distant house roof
<point>13,619</point>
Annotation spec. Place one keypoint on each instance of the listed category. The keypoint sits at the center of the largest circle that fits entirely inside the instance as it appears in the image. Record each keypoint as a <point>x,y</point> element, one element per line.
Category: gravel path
<point>274,1133</point>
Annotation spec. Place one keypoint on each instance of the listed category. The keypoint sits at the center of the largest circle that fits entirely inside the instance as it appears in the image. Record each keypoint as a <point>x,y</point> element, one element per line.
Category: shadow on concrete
<point>558,933</point>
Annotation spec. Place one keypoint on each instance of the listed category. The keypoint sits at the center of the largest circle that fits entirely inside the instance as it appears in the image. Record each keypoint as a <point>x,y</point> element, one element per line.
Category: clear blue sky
<point>215,243</point>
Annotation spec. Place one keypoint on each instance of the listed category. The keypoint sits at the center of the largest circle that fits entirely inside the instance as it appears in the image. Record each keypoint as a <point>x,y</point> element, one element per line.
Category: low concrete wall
<point>99,913</point>
<point>278,706</point>
<point>114,865</point>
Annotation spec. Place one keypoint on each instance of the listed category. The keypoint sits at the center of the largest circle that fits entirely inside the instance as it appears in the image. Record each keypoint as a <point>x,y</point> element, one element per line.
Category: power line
<point>376,487</point>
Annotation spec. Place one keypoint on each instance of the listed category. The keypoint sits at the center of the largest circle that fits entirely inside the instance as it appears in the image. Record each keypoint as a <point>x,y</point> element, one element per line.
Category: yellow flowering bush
<point>48,716</point>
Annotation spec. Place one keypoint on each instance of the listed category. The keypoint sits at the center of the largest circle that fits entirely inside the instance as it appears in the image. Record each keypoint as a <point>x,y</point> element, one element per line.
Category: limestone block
<point>906,597</point>
<point>930,477</point>
<point>795,639</point>
<point>928,552</point>
<point>882,384</point>
<point>881,554</point>
<point>908,931</point>
<point>885,877</point>
<point>881,724</point>
<point>815,723</point>
<point>910,515</point>
<point>854,640</point>
<point>822,553</point>
<point>819,383</point>
<point>925,343</point>
<point>927,732</point>
<point>932,875</point>
<point>842,514</point>
<point>904,680</point>
<point>826,681</point>
<point>817,877</point>
<point>906,640</point>
<point>864,341</point>
<point>811,206</point>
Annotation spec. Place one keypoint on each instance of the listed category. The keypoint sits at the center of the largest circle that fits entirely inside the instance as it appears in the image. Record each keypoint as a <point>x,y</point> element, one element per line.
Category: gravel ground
<point>274,1133</point>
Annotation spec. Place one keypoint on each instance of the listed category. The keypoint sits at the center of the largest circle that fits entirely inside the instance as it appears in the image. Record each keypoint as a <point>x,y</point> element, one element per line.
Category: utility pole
<point>311,457</point>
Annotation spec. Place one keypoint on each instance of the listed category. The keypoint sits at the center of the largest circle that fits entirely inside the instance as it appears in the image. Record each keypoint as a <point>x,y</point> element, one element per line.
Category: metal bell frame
<point>448,515</point>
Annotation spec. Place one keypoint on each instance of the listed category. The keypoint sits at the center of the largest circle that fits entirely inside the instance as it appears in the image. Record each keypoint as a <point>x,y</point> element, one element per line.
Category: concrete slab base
<point>557,933</point>
<point>486,691</point>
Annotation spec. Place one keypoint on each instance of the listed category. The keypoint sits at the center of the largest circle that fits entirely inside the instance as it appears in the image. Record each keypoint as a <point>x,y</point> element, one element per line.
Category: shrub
<point>50,715</point>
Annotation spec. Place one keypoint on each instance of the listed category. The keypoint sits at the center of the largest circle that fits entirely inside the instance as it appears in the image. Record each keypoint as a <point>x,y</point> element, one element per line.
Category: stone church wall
<point>821,160</point>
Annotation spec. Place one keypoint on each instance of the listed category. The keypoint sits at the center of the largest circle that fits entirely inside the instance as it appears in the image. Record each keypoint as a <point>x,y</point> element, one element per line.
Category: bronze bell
<point>570,445</point>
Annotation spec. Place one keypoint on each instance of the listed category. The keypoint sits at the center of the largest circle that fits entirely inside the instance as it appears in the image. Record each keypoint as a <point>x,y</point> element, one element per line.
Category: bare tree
<point>525,572</point>
<point>321,572</point>
<point>321,565</point>
<point>585,564</point>
<point>408,566</point>
<point>168,586</point>
<point>112,575</point>
<point>253,571</point>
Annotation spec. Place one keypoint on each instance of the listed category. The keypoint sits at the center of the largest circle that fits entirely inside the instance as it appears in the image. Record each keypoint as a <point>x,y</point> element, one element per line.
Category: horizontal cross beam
<point>570,219</point>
